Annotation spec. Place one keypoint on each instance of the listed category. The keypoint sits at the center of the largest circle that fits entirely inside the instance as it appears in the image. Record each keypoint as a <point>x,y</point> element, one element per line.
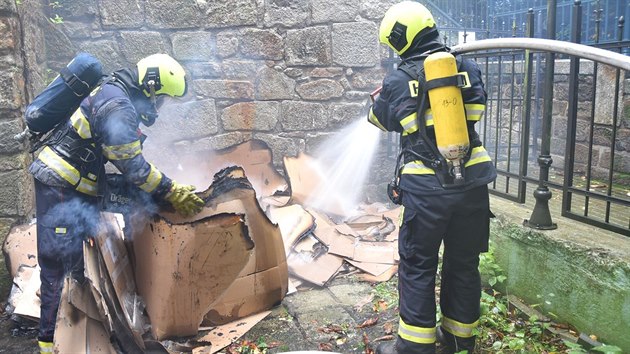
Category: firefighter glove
<point>183,199</point>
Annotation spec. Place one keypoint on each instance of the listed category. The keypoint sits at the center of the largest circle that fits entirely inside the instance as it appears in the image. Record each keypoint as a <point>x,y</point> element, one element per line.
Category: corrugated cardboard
<point>294,223</point>
<point>181,269</point>
<point>20,247</point>
<point>231,192</point>
<point>79,328</point>
<point>24,297</point>
<point>118,266</point>
<point>224,335</point>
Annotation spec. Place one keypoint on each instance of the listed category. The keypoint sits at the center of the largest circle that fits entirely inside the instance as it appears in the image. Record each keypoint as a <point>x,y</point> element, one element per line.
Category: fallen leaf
<point>388,327</point>
<point>366,344</point>
<point>325,347</point>
<point>341,340</point>
<point>368,323</point>
<point>384,338</point>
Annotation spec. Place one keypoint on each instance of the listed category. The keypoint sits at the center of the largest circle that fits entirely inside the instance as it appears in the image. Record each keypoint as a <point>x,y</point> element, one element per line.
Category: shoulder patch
<point>413,88</point>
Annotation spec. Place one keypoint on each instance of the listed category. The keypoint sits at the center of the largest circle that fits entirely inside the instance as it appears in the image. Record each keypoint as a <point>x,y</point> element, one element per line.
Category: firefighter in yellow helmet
<point>439,206</point>
<point>69,170</point>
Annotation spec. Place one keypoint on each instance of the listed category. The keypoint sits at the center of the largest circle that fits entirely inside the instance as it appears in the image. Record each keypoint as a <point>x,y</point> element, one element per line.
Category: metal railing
<point>557,125</point>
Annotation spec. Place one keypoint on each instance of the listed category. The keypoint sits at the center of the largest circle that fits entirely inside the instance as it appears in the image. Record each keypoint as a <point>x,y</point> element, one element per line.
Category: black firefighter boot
<point>449,343</point>
<point>400,346</point>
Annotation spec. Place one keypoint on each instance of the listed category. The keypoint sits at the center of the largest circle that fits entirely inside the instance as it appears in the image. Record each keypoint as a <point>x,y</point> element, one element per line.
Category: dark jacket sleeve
<point>395,102</point>
<point>120,141</point>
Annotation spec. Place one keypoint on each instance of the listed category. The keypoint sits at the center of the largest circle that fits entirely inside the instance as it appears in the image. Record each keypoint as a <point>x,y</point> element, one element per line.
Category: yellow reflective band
<point>474,111</point>
<point>122,152</point>
<point>409,124</point>
<point>478,155</point>
<point>372,118</point>
<point>428,117</point>
<point>50,158</point>
<point>81,124</point>
<point>45,347</point>
<point>153,180</point>
<point>87,187</point>
<point>415,334</point>
<point>417,168</point>
<point>400,216</point>
<point>60,230</point>
<point>459,329</point>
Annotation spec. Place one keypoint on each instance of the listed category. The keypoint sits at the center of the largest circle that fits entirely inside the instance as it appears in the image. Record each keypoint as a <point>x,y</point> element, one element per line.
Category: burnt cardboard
<point>231,192</point>
<point>181,269</point>
<point>318,270</point>
<point>20,247</point>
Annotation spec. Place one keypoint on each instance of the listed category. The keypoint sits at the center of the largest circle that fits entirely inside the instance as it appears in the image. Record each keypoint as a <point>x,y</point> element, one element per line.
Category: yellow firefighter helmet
<point>159,74</point>
<point>402,23</point>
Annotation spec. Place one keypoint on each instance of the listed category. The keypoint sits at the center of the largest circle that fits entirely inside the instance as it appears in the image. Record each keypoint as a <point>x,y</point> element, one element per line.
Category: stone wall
<point>291,73</point>
<point>16,201</point>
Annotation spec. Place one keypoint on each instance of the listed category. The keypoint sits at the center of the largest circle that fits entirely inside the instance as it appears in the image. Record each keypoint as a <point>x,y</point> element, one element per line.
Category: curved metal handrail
<point>548,45</point>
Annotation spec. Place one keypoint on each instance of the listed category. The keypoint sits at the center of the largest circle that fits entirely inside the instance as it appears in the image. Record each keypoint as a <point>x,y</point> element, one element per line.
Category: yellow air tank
<point>449,116</point>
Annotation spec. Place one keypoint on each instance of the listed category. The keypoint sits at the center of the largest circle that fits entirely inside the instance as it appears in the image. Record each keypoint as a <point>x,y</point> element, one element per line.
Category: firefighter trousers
<point>64,219</point>
<point>461,221</point>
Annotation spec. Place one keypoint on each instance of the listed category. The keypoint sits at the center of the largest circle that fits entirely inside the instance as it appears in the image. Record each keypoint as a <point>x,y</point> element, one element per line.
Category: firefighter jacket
<point>104,128</point>
<point>395,109</point>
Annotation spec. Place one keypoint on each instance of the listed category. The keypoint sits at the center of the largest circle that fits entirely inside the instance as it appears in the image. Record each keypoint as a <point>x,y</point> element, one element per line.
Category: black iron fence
<point>558,129</point>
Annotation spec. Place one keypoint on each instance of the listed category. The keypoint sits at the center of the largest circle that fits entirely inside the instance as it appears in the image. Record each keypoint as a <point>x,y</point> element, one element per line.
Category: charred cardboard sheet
<point>263,282</point>
<point>294,223</point>
<point>20,247</point>
<point>181,269</point>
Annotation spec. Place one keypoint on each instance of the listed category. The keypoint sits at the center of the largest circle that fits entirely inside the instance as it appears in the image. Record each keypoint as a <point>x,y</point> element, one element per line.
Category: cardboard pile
<point>207,278</point>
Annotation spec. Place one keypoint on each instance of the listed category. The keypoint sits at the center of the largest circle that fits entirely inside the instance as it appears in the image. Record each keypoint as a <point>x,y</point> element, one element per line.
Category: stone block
<point>8,6</point>
<point>355,44</point>
<point>274,85</point>
<point>368,79</point>
<point>16,161</point>
<point>327,72</point>
<point>184,121</point>
<point>107,52</point>
<point>10,31</point>
<point>11,90</point>
<point>216,142</point>
<point>9,128</point>
<point>280,146</point>
<point>167,14</point>
<point>15,187</point>
<point>77,30</point>
<point>227,43</point>
<point>320,90</point>
<point>121,13</point>
<point>261,44</point>
<point>192,45</point>
<point>375,9</point>
<point>343,114</point>
<point>74,9</point>
<point>136,45</point>
<point>334,10</point>
<point>206,70</point>
<point>239,69</point>
<point>303,116</point>
<point>261,116</point>
<point>232,89</point>
<point>58,47</point>
<point>287,13</point>
<point>308,46</point>
<point>223,13</point>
